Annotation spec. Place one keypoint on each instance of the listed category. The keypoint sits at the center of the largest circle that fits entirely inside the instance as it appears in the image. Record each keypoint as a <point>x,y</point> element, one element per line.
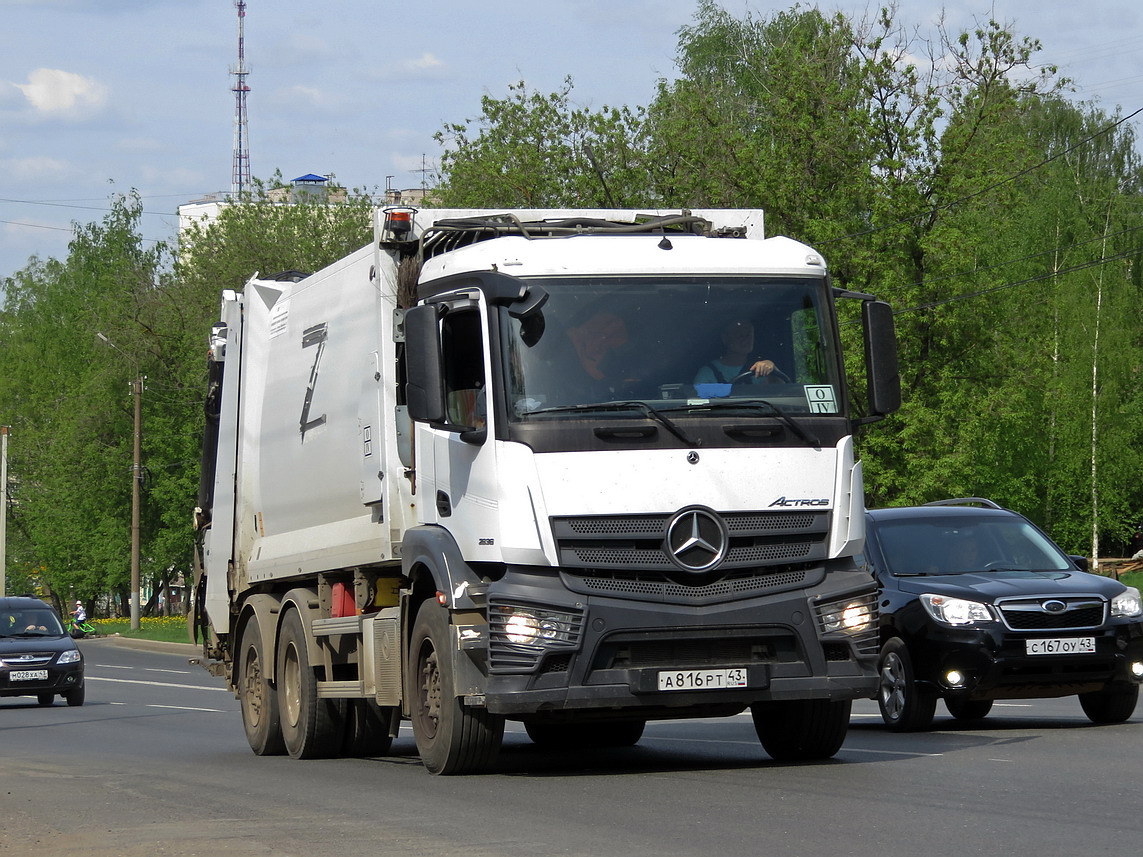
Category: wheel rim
<point>893,686</point>
<point>429,686</point>
<point>292,685</point>
<point>253,701</point>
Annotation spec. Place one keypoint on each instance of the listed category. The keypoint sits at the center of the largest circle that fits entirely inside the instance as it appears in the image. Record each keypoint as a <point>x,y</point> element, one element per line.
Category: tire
<point>45,698</point>
<point>968,709</point>
<point>312,728</point>
<point>257,697</point>
<point>366,728</point>
<point>75,696</point>
<point>905,707</point>
<point>1113,704</point>
<point>452,738</point>
<point>622,733</point>
<point>801,729</point>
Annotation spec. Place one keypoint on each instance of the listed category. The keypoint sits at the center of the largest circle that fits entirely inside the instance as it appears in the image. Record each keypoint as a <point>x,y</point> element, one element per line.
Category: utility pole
<point>3,510</point>
<point>136,481</point>
<point>136,478</point>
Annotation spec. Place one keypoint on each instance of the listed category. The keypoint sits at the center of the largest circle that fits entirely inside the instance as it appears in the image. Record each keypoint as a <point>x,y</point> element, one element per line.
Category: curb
<point>188,649</point>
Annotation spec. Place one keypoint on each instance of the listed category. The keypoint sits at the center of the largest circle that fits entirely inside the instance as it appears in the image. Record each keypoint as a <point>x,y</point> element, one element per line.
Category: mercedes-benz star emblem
<point>697,539</point>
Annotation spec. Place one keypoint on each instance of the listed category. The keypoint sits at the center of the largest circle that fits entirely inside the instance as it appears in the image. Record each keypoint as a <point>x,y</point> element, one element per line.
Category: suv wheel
<point>1113,704</point>
<point>905,706</point>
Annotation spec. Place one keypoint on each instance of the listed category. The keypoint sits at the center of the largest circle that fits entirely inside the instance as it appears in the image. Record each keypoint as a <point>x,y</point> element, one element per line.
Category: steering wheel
<point>750,374</point>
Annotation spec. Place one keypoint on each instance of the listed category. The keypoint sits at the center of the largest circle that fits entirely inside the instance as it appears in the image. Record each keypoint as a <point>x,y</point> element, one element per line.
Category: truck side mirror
<point>881,358</point>
<point>424,392</point>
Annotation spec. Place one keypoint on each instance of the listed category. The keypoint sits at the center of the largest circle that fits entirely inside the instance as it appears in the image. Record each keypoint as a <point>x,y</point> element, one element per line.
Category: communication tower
<point>240,174</point>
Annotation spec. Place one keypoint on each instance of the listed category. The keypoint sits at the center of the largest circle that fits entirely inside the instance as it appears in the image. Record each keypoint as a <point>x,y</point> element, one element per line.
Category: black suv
<point>37,657</point>
<point>978,604</point>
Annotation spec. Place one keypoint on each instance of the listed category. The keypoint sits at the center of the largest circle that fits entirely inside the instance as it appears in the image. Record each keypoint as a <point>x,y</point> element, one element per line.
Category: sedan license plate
<point>702,679</point>
<point>28,675</point>
<point>1060,646</point>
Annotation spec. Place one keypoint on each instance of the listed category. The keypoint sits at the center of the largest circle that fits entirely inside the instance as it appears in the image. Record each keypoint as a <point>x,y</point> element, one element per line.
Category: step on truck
<point>581,470</point>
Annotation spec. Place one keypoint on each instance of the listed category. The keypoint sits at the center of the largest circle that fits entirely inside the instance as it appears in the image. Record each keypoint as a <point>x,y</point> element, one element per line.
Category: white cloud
<point>425,67</point>
<point>54,92</point>
<point>39,168</point>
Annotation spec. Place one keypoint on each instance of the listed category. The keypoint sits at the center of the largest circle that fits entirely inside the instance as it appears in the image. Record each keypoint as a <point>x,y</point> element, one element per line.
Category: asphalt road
<point>156,763</point>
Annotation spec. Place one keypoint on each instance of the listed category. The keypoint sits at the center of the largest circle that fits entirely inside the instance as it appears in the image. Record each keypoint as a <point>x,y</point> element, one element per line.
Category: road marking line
<point>187,708</point>
<point>176,672</point>
<point>156,683</point>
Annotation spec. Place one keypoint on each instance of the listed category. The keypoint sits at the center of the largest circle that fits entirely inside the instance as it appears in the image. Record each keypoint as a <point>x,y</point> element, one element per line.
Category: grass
<point>169,629</point>
<point>1133,578</point>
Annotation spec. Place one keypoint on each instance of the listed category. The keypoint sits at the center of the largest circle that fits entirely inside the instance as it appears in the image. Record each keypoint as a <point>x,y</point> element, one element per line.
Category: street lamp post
<point>136,479</point>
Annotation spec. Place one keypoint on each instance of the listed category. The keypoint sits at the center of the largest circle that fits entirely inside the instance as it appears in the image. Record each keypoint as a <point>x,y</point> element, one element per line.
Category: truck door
<point>464,479</point>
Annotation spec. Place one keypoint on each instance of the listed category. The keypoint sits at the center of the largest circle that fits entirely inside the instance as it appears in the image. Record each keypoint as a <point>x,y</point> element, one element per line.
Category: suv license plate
<point>702,679</point>
<point>1060,646</point>
<point>28,675</point>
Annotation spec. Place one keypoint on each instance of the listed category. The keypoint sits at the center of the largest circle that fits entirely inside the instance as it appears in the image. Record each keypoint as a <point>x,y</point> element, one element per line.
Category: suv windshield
<point>675,343</point>
<point>31,622</point>
<point>968,543</point>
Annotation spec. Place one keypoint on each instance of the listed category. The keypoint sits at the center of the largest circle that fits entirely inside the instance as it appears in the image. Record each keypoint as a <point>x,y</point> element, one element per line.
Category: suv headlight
<point>70,657</point>
<point>1127,603</point>
<point>955,611</point>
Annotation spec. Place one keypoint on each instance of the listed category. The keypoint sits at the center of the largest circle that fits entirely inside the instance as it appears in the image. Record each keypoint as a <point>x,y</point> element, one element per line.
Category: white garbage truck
<point>575,469</point>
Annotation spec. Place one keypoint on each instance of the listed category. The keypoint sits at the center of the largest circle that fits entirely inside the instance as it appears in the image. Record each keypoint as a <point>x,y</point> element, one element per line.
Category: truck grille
<point>658,587</point>
<point>1028,614</point>
<point>639,542</point>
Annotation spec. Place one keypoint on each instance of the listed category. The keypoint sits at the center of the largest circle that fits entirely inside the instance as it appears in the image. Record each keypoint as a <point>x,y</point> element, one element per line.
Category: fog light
<point>954,678</point>
<point>1137,669</point>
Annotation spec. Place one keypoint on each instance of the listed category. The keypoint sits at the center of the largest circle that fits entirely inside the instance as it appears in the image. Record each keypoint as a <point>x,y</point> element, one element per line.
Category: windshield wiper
<point>633,405</point>
<point>730,404</point>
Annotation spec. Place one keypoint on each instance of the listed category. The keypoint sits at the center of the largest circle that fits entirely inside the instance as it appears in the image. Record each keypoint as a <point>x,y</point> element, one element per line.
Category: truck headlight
<point>852,617</point>
<point>955,611</point>
<point>1127,603</point>
<point>521,628</point>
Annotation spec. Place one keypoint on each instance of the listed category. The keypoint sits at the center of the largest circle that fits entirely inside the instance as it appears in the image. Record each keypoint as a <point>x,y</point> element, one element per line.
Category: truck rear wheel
<point>801,729</point>
<point>366,728</point>
<point>452,738</point>
<point>312,728</point>
<point>259,700</point>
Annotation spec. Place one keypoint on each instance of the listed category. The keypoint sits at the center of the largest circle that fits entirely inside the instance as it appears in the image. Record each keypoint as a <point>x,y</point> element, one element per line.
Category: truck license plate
<point>28,675</point>
<point>702,679</point>
<point>1060,646</point>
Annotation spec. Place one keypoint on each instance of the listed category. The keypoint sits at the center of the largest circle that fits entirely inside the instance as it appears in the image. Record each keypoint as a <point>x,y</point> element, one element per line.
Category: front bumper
<point>995,665</point>
<point>615,649</point>
<point>60,679</point>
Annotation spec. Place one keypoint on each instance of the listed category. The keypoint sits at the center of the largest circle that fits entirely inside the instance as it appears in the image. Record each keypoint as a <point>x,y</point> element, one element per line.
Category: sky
<point>99,97</point>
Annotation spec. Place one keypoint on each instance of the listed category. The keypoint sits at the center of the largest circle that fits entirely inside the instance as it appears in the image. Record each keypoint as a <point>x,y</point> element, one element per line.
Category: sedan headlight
<point>70,657</point>
<point>1127,603</point>
<point>955,611</point>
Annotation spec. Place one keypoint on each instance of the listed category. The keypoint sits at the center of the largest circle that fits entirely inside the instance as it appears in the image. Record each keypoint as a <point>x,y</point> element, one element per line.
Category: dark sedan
<point>37,657</point>
<point>978,604</point>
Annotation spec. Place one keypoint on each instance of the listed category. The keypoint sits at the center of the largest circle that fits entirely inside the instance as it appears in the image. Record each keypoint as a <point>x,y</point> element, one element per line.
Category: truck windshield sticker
<point>315,335</point>
<point>821,399</point>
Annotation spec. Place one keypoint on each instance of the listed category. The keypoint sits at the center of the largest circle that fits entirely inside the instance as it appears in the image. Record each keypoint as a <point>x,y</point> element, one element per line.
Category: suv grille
<point>1028,614</point>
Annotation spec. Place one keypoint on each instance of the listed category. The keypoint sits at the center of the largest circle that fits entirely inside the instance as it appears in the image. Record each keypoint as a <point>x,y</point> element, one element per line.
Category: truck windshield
<point>699,345</point>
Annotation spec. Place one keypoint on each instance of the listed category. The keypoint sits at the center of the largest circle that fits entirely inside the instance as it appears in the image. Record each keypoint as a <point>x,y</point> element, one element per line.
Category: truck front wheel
<point>799,730</point>
<point>452,738</point>
<point>312,728</point>
<point>258,699</point>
